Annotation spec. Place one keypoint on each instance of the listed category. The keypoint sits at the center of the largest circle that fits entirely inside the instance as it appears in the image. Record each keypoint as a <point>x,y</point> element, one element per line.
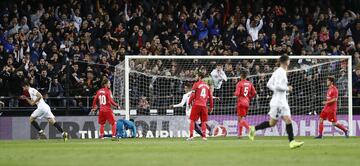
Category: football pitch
<point>264,151</point>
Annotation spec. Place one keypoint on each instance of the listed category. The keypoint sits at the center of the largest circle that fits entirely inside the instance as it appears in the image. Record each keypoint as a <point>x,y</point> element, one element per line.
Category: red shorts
<point>328,115</point>
<point>106,116</point>
<point>199,112</point>
<point>242,110</point>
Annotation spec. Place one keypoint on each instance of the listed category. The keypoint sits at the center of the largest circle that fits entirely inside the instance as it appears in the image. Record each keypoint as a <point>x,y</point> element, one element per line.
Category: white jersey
<point>278,83</point>
<point>218,78</point>
<point>43,110</point>
<point>185,100</point>
<point>33,97</point>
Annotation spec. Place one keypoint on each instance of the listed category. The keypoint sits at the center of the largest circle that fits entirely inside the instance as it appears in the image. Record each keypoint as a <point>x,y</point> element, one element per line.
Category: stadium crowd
<point>68,46</point>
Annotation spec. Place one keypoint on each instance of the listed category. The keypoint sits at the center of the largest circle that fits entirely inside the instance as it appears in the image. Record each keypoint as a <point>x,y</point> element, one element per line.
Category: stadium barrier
<point>86,127</point>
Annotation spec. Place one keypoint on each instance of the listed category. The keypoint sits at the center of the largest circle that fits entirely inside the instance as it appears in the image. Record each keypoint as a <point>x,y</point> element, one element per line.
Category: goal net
<point>147,87</point>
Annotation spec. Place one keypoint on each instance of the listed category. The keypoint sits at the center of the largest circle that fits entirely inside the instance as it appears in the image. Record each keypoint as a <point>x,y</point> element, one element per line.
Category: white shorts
<point>42,111</point>
<point>277,112</point>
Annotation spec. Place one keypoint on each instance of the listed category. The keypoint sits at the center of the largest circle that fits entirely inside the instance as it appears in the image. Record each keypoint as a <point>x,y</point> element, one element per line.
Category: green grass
<point>264,151</point>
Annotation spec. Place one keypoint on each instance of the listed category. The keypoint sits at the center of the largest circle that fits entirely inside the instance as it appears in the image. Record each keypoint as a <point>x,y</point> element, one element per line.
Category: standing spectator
<point>44,81</point>
<point>15,88</point>
<point>253,29</point>
<point>218,76</point>
<point>56,91</point>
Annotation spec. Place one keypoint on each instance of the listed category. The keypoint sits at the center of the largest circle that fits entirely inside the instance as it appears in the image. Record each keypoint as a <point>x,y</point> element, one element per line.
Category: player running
<point>198,99</point>
<point>185,101</point>
<point>329,111</point>
<point>106,114</point>
<point>279,107</point>
<point>43,111</point>
<point>244,92</point>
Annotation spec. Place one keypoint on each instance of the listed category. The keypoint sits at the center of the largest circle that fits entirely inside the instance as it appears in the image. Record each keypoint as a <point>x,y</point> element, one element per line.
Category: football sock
<point>321,128</point>
<point>102,130</point>
<point>245,124</point>
<point>57,126</point>
<point>289,130</point>
<point>198,129</point>
<point>36,125</point>
<point>341,127</point>
<point>240,126</point>
<point>263,125</point>
<point>203,128</point>
<point>113,129</point>
<point>192,126</point>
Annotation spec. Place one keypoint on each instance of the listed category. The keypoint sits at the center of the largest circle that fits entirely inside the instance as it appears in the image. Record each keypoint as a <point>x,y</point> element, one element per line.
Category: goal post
<point>141,77</point>
<point>350,108</point>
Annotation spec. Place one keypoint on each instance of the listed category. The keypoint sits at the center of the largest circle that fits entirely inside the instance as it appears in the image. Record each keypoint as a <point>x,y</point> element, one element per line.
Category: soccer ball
<point>220,131</point>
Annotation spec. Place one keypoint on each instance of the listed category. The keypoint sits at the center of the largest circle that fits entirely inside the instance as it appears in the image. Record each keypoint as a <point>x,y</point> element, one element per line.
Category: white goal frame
<point>349,72</point>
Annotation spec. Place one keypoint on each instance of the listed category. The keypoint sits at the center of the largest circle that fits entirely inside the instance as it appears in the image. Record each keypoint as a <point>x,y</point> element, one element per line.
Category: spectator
<point>44,81</point>
<point>143,106</point>
<point>218,76</point>
<point>56,91</point>
<point>253,29</point>
<point>15,88</point>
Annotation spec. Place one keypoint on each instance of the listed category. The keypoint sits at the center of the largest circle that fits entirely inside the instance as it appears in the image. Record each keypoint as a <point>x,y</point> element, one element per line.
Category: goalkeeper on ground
<point>122,126</point>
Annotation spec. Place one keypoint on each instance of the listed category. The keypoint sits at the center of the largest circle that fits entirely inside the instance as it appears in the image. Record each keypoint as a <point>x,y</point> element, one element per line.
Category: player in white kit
<point>185,101</point>
<point>43,111</point>
<point>279,107</point>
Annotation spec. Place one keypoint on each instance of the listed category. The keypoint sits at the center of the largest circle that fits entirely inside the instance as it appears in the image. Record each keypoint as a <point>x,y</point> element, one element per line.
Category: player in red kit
<point>104,97</point>
<point>200,95</point>
<point>244,92</point>
<point>329,111</point>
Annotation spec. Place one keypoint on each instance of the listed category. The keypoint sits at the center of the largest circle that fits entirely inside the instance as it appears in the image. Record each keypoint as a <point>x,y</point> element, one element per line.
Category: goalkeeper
<point>122,125</point>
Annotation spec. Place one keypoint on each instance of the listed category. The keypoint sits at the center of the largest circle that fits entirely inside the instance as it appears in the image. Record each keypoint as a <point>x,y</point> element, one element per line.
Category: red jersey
<point>105,99</point>
<point>244,92</point>
<point>332,93</point>
<point>200,94</point>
